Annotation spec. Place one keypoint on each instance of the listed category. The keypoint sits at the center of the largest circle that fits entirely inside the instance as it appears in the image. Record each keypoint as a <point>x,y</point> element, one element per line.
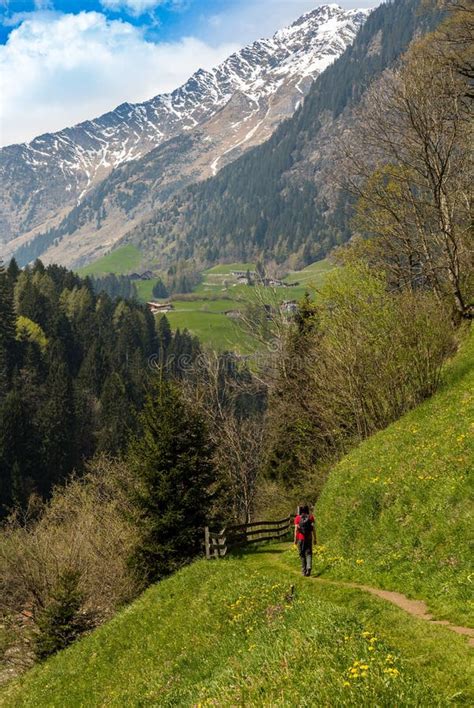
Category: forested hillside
<point>161,146</point>
<point>274,201</point>
<point>74,371</point>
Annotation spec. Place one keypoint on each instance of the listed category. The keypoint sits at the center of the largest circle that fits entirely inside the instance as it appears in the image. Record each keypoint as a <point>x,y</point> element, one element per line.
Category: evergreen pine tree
<point>171,459</point>
<point>113,422</point>
<point>159,289</point>
<point>62,621</point>
<point>13,271</point>
<point>165,335</point>
<point>19,463</point>
<point>58,425</point>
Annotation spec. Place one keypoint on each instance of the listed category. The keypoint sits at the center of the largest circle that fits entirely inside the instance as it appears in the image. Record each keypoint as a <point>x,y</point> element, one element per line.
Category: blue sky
<point>63,61</point>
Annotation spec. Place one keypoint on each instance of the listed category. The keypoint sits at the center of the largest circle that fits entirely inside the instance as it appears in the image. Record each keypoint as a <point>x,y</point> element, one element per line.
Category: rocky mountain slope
<point>278,200</point>
<point>152,149</point>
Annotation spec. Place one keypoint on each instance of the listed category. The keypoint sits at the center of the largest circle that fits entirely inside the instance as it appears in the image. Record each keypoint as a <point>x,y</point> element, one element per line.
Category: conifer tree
<point>113,430</point>
<point>58,425</point>
<point>13,271</point>
<point>7,328</point>
<point>159,289</point>
<point>20,465</point>
<point>171,459</point>
<point>62,621</point>
<point>164,333</point>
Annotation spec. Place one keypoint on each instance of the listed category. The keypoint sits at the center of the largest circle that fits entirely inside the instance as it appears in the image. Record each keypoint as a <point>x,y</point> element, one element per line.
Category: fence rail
<point>218,544</point>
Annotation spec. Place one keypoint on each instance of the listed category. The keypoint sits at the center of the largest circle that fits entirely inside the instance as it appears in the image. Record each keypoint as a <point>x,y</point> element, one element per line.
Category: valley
<point>70,196</point>
<point>360,649</point>
<point>211,312</point>
<point>237,366</point>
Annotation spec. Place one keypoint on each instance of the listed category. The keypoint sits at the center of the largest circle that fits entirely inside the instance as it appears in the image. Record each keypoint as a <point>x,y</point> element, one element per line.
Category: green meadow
<point>121,261</point>
<point>404,502</point>
<point>203,312</point>
<point>230,633</point>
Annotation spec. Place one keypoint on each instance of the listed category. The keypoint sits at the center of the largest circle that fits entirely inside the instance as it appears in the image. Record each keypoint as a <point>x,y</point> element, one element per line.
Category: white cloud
<point>59,69</point>
<point>43,4</point>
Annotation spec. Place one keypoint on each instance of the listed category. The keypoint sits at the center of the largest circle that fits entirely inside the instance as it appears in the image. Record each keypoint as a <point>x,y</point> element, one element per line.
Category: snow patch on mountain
<point>56,170</point>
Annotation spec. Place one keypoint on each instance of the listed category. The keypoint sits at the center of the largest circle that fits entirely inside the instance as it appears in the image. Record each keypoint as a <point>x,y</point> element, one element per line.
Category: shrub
<point>63,566</point>
<point>354,363</point>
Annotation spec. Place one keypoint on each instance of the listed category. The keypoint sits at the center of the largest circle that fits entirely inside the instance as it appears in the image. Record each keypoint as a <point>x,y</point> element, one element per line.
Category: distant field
<point>226,268</point>
<point>217,293</point>
<point>214,329</point>
<point>121,261</point>
<point>205,316</point>
<point>312,275</point>
<point>145,289</point>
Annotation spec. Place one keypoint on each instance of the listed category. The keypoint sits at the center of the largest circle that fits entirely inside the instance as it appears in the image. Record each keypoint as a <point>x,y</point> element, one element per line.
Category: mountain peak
<point>259,85</point>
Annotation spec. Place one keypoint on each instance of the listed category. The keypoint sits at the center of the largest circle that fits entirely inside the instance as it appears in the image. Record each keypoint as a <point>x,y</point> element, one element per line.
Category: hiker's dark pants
<point>305,549</point>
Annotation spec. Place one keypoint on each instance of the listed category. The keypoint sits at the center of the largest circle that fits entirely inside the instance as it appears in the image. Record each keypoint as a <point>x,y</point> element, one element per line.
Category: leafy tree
<point>171,460</point>
<point>26,330</point>
<point>414,184</point>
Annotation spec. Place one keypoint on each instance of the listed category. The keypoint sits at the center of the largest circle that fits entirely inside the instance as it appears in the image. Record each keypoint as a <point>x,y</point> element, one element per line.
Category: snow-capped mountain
<point>232,107</point>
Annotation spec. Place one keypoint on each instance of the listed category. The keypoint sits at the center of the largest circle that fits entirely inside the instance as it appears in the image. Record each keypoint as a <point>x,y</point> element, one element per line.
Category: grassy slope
<point>222,633</point>
<point>121,261</point>
<point>397,512</point>
<point>214,329</point>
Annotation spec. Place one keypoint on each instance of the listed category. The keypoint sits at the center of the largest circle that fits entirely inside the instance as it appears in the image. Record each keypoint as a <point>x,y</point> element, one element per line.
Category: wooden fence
<point>219,543</point>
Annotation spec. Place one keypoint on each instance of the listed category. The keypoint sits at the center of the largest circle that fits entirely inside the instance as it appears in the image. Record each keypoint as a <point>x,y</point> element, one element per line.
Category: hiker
<point>305,534</point>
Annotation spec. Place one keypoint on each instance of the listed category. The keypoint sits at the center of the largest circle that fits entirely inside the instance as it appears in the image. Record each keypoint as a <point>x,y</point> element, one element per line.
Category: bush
<point>354,363</point>
<point>63,566</point>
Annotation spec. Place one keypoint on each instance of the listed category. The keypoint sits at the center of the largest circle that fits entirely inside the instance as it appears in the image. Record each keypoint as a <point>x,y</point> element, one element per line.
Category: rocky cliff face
<point>92,182</point>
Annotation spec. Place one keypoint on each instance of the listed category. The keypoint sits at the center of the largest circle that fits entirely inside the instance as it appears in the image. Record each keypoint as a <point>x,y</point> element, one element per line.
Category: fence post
<point>207,542</point>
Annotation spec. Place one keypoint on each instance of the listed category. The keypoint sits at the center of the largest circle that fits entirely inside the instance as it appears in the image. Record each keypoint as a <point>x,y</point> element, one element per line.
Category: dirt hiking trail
<point>416,608</point>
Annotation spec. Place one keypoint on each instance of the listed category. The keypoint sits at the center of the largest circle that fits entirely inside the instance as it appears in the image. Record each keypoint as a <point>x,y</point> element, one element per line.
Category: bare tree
<point>456,39</point>
<point>408,159</point>
<point>85,529</point>
<point>224,390</point>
